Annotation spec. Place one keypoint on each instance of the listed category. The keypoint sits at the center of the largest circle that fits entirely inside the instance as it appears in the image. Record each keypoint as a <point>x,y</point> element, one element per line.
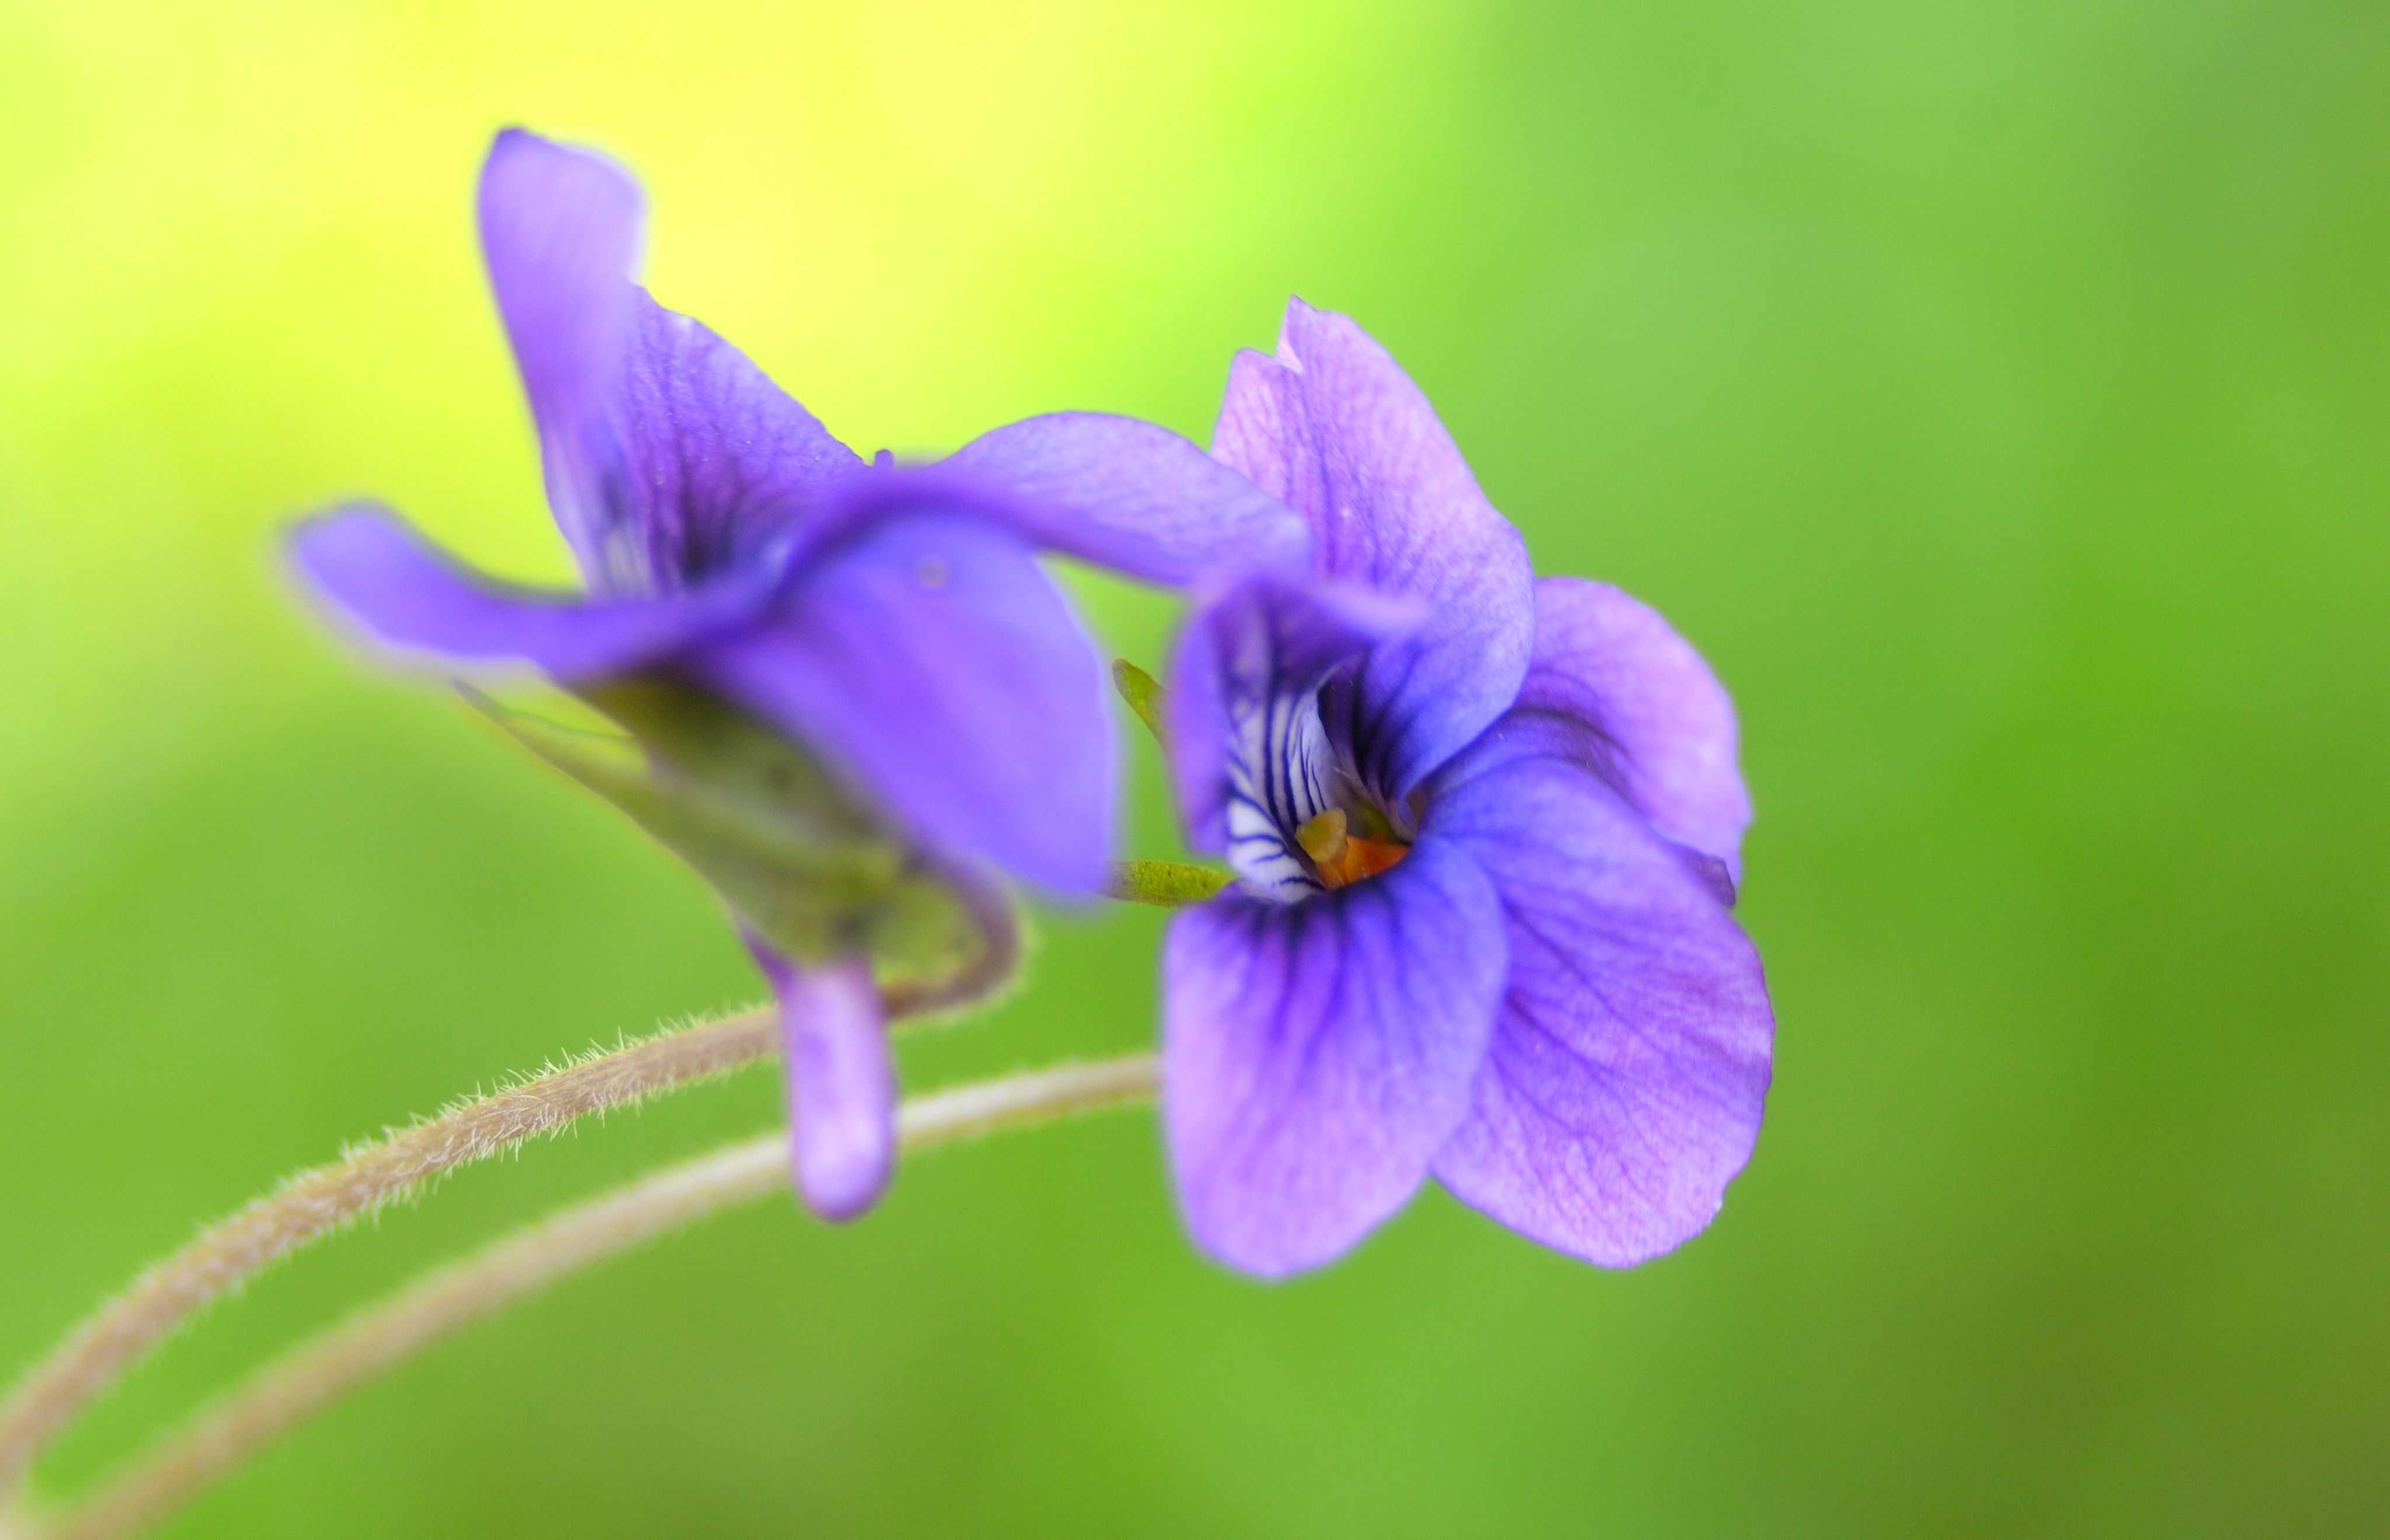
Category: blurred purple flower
<point>892,621</point>
<point>1487,828</point>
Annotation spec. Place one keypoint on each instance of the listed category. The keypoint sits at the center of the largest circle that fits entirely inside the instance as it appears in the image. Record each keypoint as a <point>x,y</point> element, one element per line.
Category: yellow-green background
<point>1998,393</point>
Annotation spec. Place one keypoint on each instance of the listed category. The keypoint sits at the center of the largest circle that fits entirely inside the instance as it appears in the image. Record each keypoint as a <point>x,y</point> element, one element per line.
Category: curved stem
<point>308,1205</point>
<point>319,1371</point>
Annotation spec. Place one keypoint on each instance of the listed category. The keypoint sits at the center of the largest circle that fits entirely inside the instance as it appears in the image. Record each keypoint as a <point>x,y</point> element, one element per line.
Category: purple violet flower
<point>891,621</point>
<point>1487,828</point>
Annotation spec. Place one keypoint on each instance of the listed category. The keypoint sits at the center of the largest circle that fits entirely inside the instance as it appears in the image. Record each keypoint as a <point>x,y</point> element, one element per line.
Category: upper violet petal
<point>383,580</point>
<point>719,462</point>
<point>1248,756</point>
<point>932,660</point>
<point>1137,498</point>
<point>1315,1056</point>
<point>1607,660</point>
<point>841,1082</point>
<point>561,234</point>
<point>668,454</point>
<point>1630,1065</point>
<point>1334,428</point>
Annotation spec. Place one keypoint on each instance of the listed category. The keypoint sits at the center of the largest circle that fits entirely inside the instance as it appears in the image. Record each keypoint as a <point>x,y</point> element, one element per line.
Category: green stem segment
<point>320,1371</point>
<point>315,1202</point>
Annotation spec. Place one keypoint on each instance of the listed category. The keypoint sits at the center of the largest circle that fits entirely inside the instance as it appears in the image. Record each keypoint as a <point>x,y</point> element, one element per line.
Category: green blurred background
<point>1998,393</point>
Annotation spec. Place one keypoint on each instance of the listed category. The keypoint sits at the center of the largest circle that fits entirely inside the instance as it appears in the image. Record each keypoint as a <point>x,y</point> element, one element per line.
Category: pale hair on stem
<point>313,1203</point>
<point>319,1371</point>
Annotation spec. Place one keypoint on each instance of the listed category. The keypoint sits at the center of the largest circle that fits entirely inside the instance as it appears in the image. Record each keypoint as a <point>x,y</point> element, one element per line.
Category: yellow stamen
<point>1322,839</point>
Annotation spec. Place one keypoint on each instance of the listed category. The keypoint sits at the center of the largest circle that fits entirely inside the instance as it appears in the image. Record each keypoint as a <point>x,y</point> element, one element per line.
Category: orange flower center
<point>1341,856</point>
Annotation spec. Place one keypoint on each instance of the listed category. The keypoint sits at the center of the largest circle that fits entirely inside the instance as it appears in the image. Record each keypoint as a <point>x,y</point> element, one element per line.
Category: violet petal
<point>841,1082</point>
<point>719,462</point>
<point>1133,497</point>
<point>1315,1056</point>
<point>1608,660</point>
<point>561,232</point>
<point>668,455</point>
<point>382,579</point>
<point>1626,1081</point>
<point>1333,427</point>
<point>932,660</point>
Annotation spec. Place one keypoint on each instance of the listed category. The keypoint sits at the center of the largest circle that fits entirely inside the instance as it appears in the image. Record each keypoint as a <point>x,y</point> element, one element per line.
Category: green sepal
<point>1143,693</point>
<point>1167,884</point>
<point>798,861</point>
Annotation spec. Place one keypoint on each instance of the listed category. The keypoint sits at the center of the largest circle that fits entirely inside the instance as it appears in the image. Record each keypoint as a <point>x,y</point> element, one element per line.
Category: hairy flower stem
<point>313,1203</point>
<point>385,1334</point>
<point>308,1205</point>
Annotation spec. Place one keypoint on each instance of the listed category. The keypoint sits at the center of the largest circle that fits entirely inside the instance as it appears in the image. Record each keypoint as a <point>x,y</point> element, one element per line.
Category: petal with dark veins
<point>1334,428</point>
<point>1608,660</point>
<point>719,462</point>
<point>1630,1063</point>
<point>1247,753</point>
<point>668,455</point>
<point>1315,1056</point>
